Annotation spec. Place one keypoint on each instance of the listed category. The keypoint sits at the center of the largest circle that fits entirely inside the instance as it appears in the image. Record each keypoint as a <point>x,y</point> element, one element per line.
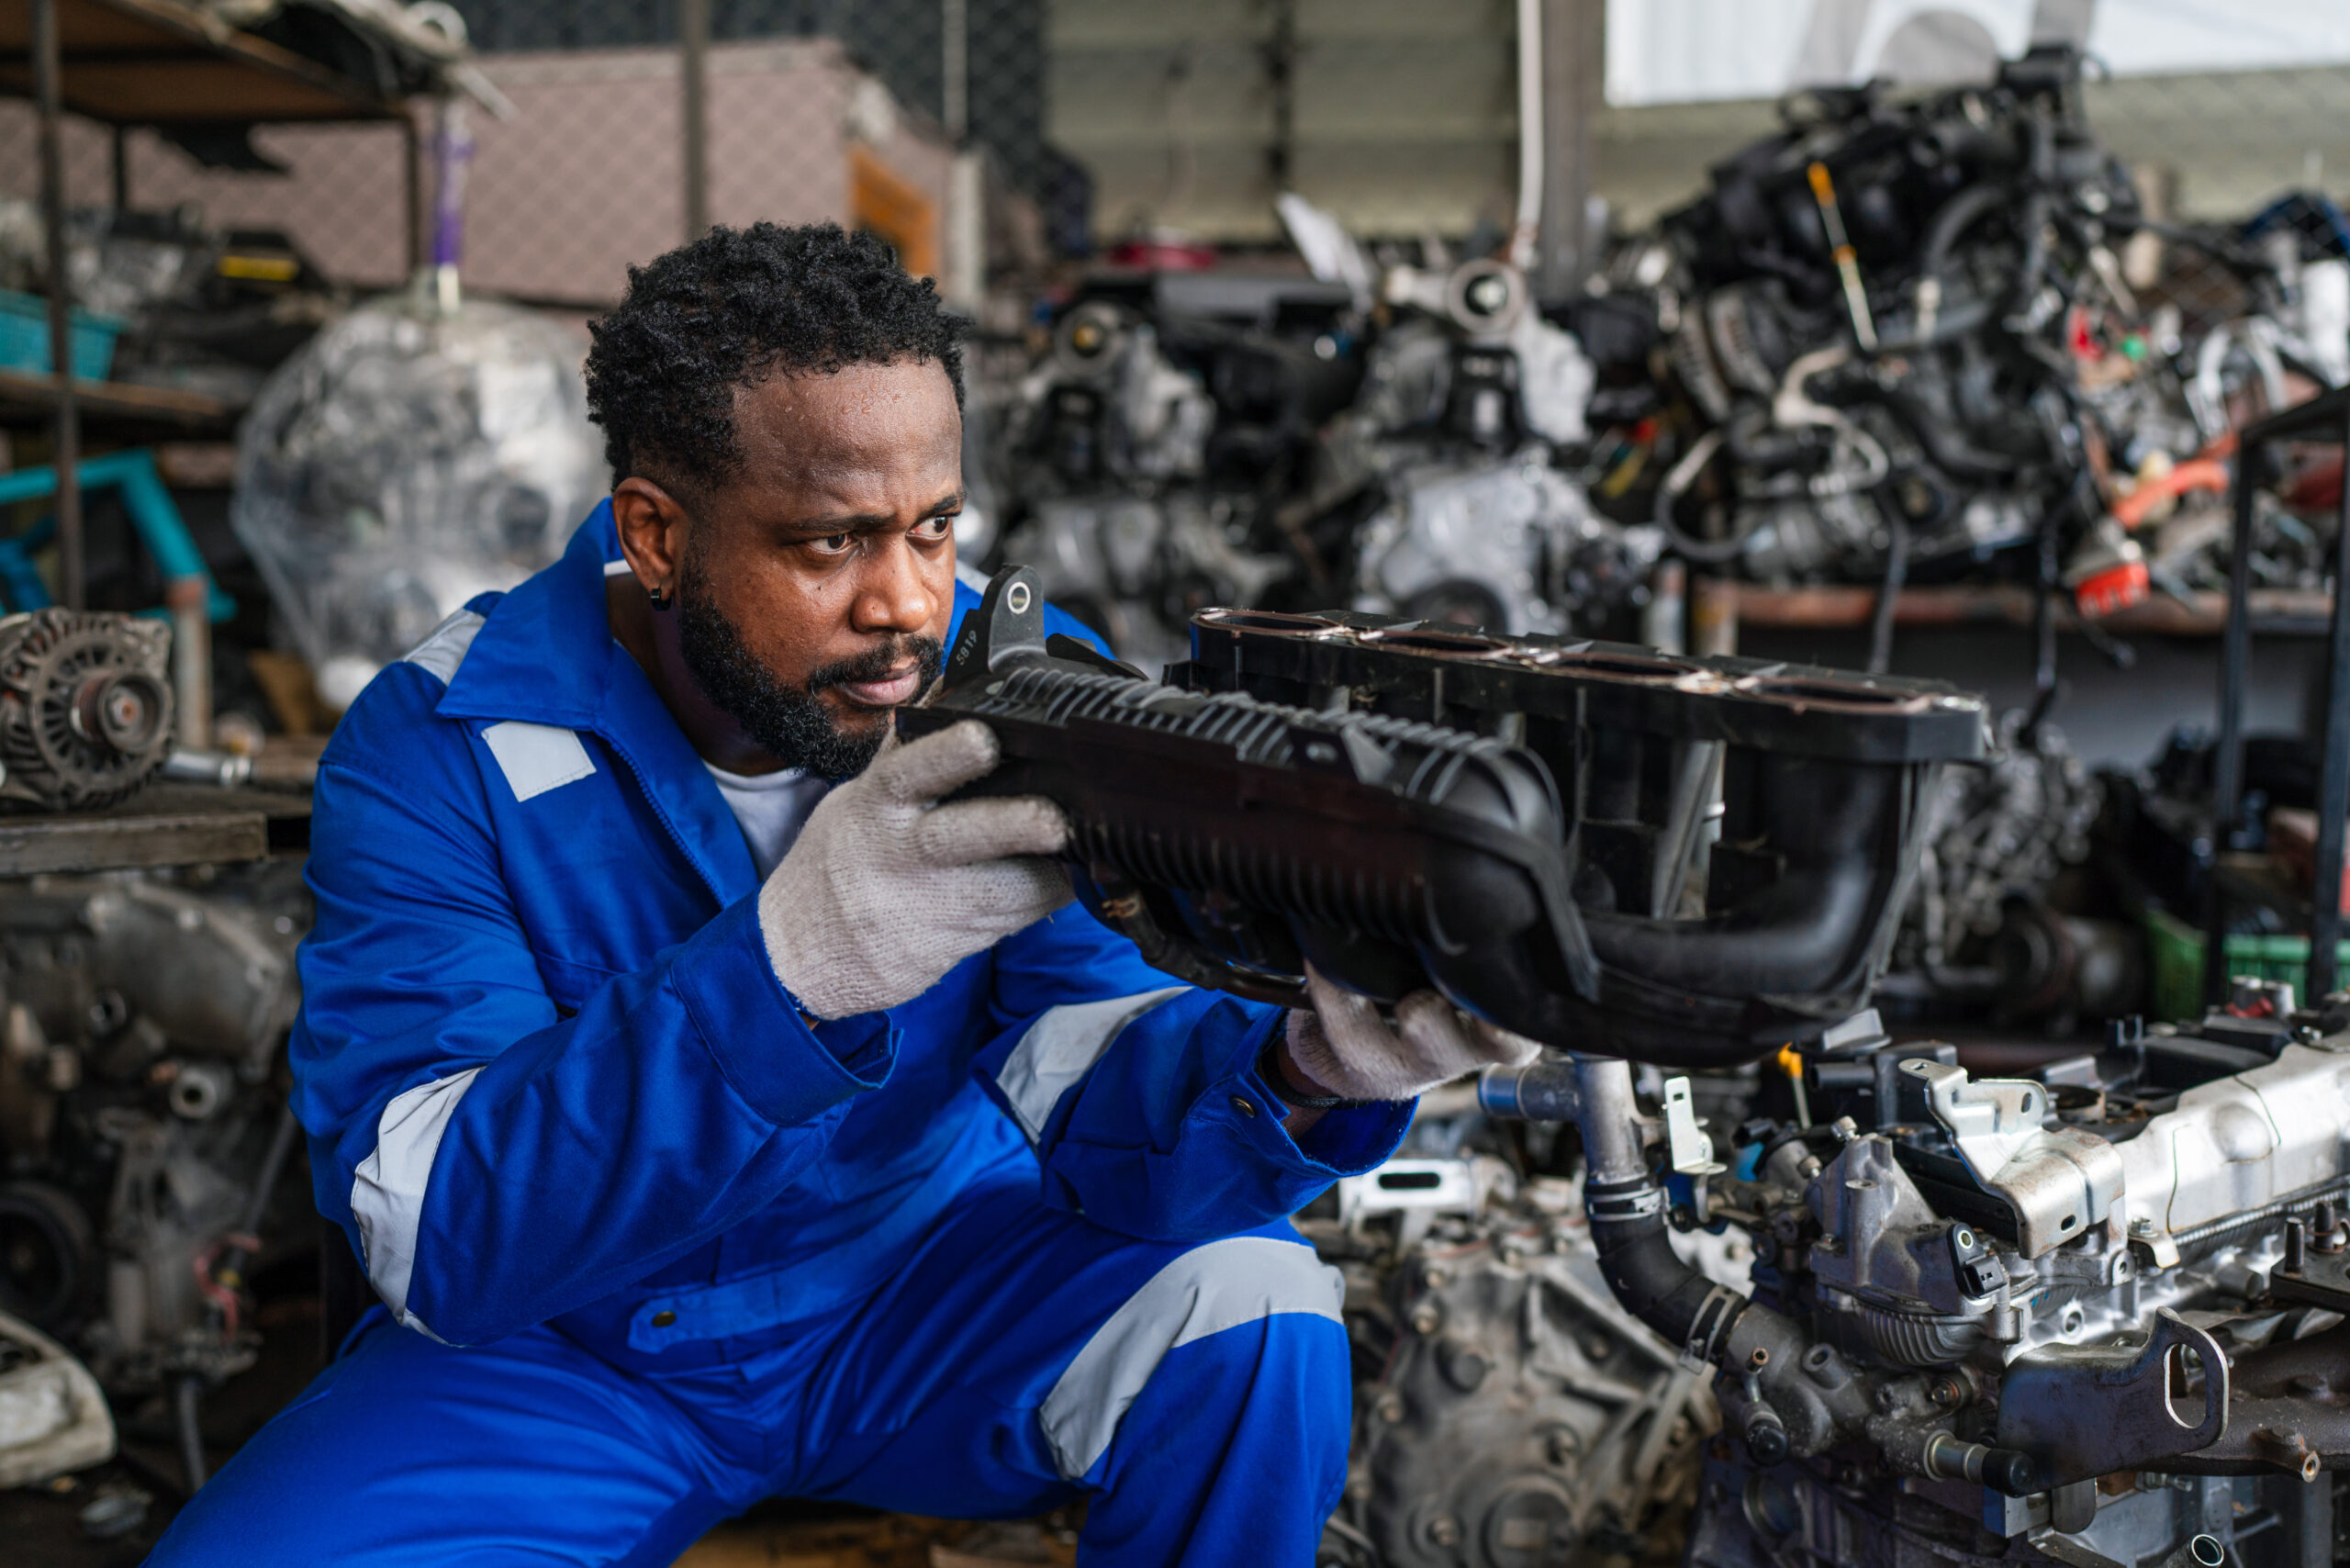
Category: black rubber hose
<point>1888,597</point>
<point>230,1269</point>
<point>2035,213</point>
<point>1954,217</point>
<point>1705,551</point>
<point>187,1399</point>
<point>1652,1282</point>
<point>1951,324</point>
<point>1943,442</point>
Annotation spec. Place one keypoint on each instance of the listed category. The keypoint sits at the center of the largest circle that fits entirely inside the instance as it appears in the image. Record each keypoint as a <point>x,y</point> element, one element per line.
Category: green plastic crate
<point>2176,951</point>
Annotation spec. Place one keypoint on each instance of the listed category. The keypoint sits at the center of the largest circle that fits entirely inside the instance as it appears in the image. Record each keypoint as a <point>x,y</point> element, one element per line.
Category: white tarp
<point>1666,51</point>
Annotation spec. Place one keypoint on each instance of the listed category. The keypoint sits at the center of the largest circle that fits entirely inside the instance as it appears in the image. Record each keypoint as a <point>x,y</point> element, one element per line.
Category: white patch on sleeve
<point>388,1190</point>
<point>536,758</point>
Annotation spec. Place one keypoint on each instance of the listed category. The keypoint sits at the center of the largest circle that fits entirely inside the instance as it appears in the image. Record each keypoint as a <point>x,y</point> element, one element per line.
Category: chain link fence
<point>923,119</point>
<point>990,137</point>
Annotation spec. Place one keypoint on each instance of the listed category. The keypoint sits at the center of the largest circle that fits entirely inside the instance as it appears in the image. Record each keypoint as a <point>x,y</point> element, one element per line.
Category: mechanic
<point>718,1114</point>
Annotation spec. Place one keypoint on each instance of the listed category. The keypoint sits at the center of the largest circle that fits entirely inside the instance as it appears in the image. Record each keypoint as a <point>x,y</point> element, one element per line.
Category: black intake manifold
<point>1511,820</point>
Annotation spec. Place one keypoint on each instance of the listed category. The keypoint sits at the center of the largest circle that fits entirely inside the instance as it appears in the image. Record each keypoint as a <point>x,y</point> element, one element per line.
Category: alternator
<point>85,706</point>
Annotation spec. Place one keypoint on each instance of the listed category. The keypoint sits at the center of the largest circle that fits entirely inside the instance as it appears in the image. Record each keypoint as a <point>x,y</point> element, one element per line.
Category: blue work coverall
<point>652,1249</point>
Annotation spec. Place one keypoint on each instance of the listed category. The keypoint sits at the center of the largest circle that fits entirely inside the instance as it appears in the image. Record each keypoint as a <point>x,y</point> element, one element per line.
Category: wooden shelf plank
<point>161,62</point>
<point>2004,604</point>
<point>163,824</point>
<point>28,395</point>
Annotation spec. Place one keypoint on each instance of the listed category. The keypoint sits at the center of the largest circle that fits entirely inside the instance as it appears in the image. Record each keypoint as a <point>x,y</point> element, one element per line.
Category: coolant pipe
<point>1781,1394</point>
<point>1626,1211</point>
<point>1539,1092</point>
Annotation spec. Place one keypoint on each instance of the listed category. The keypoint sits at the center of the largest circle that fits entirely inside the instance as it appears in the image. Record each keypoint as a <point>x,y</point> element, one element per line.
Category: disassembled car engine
<point>1150,446</point>
<point>1468,398</point>
<point>1883,310</point>
<point>143,1016</point>
<point>141,1086</point>
<point>1508,1411</point>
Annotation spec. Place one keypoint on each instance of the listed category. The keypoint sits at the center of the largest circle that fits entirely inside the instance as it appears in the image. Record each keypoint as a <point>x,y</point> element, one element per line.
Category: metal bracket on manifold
<point>1688,1145</point>
<point>1691,1148</point>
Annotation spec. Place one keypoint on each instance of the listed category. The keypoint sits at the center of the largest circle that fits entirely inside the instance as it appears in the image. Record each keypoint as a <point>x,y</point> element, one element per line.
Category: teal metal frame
<point>152,513</point>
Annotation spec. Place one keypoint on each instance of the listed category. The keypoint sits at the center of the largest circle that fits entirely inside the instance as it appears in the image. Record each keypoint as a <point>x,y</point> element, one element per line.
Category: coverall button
<point>1245,1107</point>
<point>662,1318</point>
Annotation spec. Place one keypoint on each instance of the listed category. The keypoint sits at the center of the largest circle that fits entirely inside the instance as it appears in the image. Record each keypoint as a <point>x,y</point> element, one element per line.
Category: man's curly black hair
<point>731,309</point>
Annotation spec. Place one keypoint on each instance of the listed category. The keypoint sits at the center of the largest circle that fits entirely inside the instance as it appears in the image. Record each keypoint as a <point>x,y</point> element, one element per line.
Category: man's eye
<point>937,527</point>
<point>835,543</point>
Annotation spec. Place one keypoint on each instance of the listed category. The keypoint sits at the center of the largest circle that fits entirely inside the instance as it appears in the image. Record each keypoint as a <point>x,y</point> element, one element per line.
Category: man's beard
<point>791,723</point>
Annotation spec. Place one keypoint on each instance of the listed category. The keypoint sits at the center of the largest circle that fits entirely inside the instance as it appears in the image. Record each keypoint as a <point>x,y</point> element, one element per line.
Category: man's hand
<point>886,890</point>
<point>1344,1045</point>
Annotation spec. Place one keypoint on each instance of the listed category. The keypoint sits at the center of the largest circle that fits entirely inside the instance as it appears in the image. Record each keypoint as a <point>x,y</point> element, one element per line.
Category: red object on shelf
<point>2317,487</point>
<point>1163,255</point>
<point>2195,473</point>
<point>2292,840</point>
<point>2118,586</point>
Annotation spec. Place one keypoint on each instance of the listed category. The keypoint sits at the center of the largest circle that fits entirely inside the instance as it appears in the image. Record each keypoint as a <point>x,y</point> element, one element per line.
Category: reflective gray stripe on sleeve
<point>388,1192</point>
<point>1060,1047</point>
<point>445,647</point>
<point>1206,1291</point>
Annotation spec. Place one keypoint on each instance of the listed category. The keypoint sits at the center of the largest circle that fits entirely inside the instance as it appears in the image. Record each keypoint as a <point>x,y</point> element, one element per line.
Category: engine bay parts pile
<point>1904,339</point>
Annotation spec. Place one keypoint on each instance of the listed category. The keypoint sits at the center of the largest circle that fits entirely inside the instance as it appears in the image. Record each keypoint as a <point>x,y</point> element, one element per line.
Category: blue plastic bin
<point>24,337</point>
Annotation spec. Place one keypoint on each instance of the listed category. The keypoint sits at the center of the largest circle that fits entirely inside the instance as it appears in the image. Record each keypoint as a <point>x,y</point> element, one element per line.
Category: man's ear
<point>652,526</point>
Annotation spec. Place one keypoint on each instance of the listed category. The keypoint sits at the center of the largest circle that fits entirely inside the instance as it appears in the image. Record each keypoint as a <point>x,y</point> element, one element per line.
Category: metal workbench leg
<point>48,95</point>
<point>693,112</point>
<point>2227,783</point>
<point>412,186</point>
<point>2333,777</point>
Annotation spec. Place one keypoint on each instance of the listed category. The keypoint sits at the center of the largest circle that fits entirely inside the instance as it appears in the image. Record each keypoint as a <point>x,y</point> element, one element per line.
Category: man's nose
<point>894,592</point>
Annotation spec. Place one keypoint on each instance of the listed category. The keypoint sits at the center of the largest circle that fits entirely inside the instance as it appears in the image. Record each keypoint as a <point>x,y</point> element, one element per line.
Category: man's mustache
<point>881,661</point>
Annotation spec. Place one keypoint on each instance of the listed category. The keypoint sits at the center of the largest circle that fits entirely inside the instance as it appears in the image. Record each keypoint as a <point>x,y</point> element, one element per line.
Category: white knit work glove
<point>1346,1048</point>
<point>885,889</point>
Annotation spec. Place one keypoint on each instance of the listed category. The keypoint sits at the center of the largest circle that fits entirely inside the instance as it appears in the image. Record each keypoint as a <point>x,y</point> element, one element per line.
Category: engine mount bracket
<point>2083,1411</point>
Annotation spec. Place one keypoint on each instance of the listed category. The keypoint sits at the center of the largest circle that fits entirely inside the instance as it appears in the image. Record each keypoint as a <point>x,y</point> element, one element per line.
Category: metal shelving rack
<point>150,63</point>
<point>2326,419</point>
